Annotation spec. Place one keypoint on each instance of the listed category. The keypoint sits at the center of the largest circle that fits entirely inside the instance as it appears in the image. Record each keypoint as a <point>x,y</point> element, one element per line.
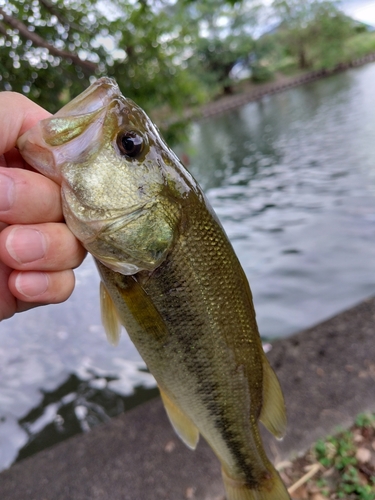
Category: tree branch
<point>87,66</point>
<point>3,30</point>
<point>52,9</point>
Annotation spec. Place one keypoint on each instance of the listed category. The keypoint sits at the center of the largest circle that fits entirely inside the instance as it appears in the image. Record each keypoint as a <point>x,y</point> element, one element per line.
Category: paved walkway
<point>328,377</point>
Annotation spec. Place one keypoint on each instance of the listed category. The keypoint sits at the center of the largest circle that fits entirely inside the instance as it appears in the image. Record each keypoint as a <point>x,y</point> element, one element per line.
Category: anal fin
<point>184,427</point>
<point>110,317</point>
<point>273,414</point>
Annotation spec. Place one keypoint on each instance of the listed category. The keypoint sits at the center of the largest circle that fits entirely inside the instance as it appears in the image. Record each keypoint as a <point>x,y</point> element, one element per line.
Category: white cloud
<point>361,10</point>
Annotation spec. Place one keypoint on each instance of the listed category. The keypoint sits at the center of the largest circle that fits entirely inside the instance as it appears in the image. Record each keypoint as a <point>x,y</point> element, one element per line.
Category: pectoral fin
<point>110,317</point>
<point>132,303</point>
<point>273,415</point>
<point>184,427</point>
<point>142,308</point>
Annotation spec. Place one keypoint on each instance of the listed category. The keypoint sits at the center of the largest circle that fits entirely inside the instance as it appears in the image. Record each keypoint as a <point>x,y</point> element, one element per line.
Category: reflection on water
<point>292,179</point>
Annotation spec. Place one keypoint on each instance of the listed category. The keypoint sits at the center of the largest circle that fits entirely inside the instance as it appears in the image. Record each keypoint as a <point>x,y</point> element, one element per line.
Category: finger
<point>39,288</point>
<point>20,114</point>
<point>13,159</point>
<point>27,197</point>
<point>8,301</point>
<point>40,247</point>
<point>9,304</point>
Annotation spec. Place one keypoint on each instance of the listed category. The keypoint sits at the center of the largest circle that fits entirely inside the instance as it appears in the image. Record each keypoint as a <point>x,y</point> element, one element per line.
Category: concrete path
<point>328,377</point>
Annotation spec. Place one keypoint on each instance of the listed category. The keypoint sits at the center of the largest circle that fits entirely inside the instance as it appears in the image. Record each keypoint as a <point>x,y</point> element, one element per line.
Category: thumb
<point>17,114</point>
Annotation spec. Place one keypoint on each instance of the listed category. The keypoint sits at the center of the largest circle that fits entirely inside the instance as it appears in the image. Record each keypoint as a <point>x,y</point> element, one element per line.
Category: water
<point>292,180</point>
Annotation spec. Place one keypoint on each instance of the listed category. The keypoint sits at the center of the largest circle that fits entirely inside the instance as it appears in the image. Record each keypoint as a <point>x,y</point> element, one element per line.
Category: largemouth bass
<point>169,275</point>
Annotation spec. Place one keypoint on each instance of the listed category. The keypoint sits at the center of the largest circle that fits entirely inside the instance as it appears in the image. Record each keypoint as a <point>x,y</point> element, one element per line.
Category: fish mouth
<point>53,140</point>
<point>98,95</point>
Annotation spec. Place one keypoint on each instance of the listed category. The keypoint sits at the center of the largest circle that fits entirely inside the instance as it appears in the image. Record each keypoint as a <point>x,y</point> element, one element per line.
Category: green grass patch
<point>359,45</point>
<point>338,467</point>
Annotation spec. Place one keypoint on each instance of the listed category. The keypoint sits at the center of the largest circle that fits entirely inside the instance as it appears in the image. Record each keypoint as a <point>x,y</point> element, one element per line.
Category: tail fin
<point>273,489</point>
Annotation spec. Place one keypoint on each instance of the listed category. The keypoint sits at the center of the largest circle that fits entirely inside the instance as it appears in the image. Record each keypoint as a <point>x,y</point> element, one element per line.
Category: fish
<point>169,275</point>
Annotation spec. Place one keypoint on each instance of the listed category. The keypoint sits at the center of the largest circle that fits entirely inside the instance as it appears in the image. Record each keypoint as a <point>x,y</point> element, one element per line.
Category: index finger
<point>31,197</point>
<point>19,114</point>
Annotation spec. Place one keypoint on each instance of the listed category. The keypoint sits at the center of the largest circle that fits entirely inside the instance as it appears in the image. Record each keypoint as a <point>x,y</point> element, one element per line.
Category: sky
<point>362,10</point>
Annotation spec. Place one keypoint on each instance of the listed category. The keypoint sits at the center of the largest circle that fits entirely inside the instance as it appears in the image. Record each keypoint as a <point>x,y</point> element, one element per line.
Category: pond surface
<point>292,178</point>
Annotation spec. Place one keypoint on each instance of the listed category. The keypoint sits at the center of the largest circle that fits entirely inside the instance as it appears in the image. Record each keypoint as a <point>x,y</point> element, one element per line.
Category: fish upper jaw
<point>33,149</point>
<point>56,141</point>
<point>65,136</point>
<point>98,95</point>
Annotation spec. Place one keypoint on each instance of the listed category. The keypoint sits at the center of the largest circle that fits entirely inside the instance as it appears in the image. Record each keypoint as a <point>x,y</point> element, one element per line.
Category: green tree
<point>225,37</point>
<point>218,56</point>
<point>52,49</point>
<point>312,31</point>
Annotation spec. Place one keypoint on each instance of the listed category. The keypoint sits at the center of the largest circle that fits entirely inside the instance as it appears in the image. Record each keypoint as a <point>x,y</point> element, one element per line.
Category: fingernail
<point>31,284</point>
<point>26,245</point>
<point>6,192</point>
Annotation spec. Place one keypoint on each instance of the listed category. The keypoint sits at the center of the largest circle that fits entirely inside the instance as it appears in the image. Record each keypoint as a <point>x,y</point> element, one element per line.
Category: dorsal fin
<point>184,427</point>
<point>273,414</point>
<point>110,317</point>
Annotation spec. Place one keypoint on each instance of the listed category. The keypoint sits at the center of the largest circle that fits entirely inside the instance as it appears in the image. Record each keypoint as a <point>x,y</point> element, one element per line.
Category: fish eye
<point>130,143</point>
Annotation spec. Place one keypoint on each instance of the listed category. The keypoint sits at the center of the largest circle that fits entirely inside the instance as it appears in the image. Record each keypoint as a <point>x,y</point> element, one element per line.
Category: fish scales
<point>170,276</point>
<point>199,314</point>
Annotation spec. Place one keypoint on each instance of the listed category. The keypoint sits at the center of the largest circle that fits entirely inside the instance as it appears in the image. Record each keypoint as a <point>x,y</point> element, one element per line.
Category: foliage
<point>313,31</point>
<point>218,56</point>
<point>167,55</point>
<point>339,453</point>
<point>225,39</point>
<point>266,58</point>
<point>341,466</point>
<point>51,50</point>
<point>29,30</point>
<point>359,45</point>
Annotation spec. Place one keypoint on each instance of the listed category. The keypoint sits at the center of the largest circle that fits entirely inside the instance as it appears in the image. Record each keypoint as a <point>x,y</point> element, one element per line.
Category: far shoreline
<point>255,91</point>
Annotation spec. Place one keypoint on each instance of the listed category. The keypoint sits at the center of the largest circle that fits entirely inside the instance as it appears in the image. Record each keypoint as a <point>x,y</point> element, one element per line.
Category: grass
<point>341,466</point>
<point>360,45</point>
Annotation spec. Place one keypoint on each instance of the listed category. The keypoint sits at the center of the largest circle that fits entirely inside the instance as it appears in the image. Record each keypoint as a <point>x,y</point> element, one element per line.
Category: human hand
<point>37,250</point>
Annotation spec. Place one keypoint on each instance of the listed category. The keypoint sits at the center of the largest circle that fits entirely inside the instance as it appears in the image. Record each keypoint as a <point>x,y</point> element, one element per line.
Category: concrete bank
<point>328,377</point>
<point>230,102</point>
